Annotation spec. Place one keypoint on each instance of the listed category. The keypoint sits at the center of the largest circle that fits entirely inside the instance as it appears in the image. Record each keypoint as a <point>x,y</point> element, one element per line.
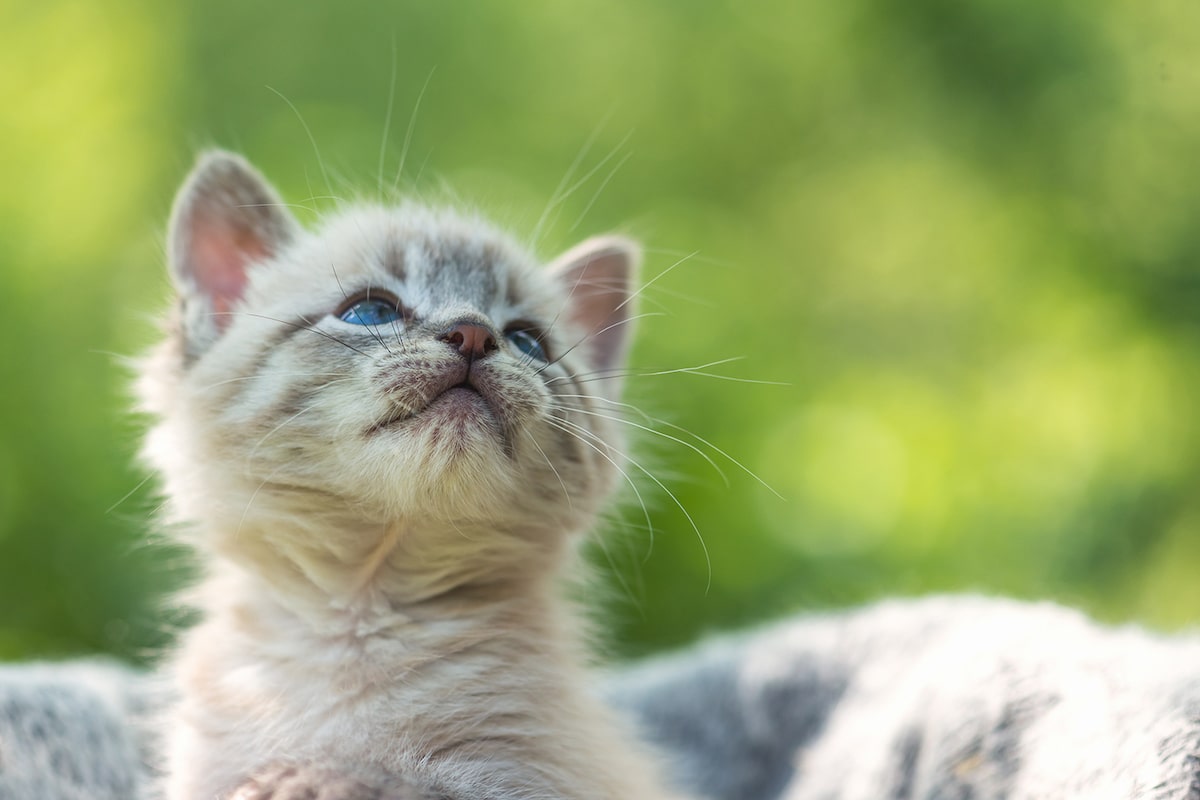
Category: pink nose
<point>473,341</point>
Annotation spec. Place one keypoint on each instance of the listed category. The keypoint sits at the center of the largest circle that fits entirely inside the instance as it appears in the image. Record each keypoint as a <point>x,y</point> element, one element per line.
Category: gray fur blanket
<point>956,697</point>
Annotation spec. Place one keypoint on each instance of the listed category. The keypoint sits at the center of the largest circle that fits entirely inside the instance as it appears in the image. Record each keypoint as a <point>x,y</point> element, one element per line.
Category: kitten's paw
<point>310,782</point>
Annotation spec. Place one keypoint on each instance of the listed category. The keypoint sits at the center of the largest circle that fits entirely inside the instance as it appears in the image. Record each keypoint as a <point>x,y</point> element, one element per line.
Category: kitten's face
<point>395,364</point>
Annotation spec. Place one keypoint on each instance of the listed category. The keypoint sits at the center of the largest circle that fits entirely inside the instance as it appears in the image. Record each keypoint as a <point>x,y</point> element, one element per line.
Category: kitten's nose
<point>473,341</point>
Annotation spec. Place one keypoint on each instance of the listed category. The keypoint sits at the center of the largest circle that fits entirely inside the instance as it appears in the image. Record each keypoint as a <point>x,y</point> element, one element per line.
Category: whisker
<point>616,571</point>
<point>669,493</point>
<point>693,434</point>
<point>667,436</point>
<point>561,424</point>
<point>733,379</point>
<point>550,464</point>
<point>587,176</point>
<point>370,328</point>
<point>252,498</point>
<point>128,494</point>
<point>302,205</point>
<point>612,173</point>
<point>615,285</point>
<point>254,450</point>
<point>609,327</point>
<point>306,327</point>
<point>397,332</point>
<point>421,169</point>
<point>535,236</point>
<point>607,374</point>
<point>653,280</point>
<point>672,253</point>
<point>412,124</point>
<point>266,480</point>
<point>312,139</point>
<point>699,371</point>
<point>256,376</point>
<point>387,124</point>
<point>567,300</point>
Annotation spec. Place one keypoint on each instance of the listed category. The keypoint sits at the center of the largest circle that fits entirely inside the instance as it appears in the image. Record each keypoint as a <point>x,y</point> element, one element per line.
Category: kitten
<point>383,438</point>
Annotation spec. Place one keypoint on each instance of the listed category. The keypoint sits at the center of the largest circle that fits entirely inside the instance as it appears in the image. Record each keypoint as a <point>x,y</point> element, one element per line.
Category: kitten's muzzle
<point>415,394</point>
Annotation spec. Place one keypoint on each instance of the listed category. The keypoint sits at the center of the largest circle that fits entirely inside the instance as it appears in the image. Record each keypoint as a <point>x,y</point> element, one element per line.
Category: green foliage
<point>960,233</point>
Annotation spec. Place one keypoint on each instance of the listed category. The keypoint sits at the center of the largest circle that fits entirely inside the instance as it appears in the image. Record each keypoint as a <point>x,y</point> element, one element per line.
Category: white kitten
<point>378,437</point>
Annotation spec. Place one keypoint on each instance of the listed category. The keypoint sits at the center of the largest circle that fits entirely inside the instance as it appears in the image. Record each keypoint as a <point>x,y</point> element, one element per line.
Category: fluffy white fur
<point>383,556</point>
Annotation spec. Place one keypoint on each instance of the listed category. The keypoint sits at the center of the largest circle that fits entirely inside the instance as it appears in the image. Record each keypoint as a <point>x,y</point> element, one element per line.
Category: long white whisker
<point>720,377</point>
<point>667,436</point>
<point>550,464</point>
<point>565,303</point>
<point>596,196</point>
<point>615,571</point>
<point>638,373</point>
<point>254,450</point>
<point>252,498</point>
<point>606,328</point>
<point>562,198</point>
<point>553,202</point>
<point>659,421</point>
<point>412,124</point>
<point>304,373</point>
<point>653,280</point>
<point>128,494</point>
<point>673,253</point>
<point>303,204</point>
<point>312,139</point>
<point>626,371</point>
<point>595,168</point>
<point>669,493</point>
<point>266,480</point>
<point>575,431</point>
<point>307,327</point>
<point>387,124</point>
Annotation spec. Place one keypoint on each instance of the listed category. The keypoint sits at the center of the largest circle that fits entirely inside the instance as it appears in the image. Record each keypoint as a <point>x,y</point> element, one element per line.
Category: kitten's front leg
<point>283,781</point>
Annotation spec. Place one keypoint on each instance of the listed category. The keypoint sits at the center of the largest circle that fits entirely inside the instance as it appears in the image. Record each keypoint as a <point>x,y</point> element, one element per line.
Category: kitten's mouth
<point>463,402</point>
<point>463,392</point>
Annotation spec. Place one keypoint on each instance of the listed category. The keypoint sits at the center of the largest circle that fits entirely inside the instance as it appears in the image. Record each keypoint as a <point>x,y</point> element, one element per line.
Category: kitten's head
<point>396,368</point>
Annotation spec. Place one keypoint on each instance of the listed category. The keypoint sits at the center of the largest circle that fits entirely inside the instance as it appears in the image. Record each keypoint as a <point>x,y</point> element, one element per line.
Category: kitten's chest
<point>486,718</point>
<point>420,688</point>
<point>300,702</point>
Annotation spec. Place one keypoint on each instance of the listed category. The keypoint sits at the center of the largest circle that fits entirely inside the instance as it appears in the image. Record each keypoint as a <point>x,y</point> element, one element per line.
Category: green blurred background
<point>960,232</point>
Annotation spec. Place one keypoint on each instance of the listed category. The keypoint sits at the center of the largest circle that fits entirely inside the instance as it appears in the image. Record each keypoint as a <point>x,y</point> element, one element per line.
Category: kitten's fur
<point>383,553</point>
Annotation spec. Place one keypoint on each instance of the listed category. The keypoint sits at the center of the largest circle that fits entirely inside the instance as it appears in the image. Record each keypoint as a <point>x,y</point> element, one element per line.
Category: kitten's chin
<point>454,449</point>
<point>458,417</point>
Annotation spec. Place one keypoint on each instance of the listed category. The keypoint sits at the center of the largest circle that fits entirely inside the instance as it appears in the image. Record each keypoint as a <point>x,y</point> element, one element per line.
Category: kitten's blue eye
<point>527,343</point>
<point>371,311</point>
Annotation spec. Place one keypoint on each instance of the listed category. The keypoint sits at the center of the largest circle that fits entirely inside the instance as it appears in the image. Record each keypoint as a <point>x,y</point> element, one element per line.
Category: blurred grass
<point>962,233</point>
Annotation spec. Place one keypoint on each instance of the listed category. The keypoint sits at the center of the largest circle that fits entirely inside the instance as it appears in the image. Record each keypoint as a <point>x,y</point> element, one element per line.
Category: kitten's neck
<point>330,572</point>
<point>367,639</point>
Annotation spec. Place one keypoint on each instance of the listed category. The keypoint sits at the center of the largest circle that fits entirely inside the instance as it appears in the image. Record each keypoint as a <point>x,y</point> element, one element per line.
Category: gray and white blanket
<point>953,697</point>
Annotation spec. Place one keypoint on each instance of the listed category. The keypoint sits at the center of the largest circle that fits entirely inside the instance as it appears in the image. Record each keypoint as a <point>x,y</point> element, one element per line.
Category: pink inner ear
<point>597,274</point>
<point>220,253</point>
<point>599,311</point>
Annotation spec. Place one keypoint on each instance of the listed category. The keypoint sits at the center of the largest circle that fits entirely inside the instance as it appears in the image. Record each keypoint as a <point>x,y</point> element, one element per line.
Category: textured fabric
<point>72,732</point>
<point>937,699</point>
<point>934,699</point>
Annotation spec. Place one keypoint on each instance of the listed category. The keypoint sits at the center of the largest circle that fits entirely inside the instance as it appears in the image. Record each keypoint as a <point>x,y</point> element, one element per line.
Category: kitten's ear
<point>598,277</point>
<point>226,217</point>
